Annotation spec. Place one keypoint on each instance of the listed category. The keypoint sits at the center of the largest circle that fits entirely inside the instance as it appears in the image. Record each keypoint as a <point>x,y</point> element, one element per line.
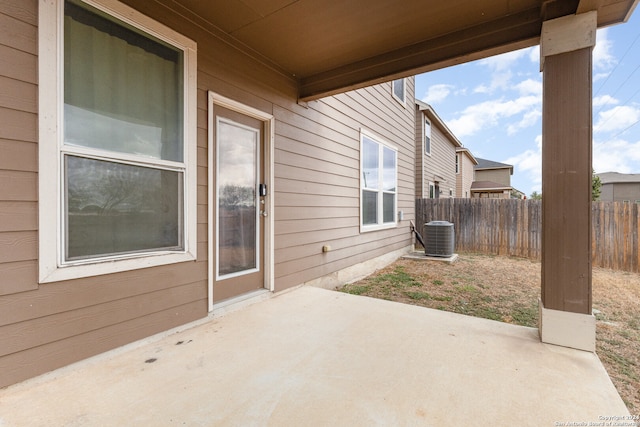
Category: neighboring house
<point>187,175</point>
<point>465,163</point>
<point>517,194</point>
<point>435,155</point>
<point>492,180</point>
<point>620,187</point>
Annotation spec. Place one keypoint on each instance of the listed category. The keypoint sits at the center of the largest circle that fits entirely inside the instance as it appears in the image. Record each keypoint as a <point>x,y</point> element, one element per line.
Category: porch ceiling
<point>331,46</point>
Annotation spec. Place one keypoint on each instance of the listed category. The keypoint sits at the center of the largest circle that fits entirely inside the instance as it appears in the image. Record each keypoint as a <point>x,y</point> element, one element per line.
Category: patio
<point>317,357</point>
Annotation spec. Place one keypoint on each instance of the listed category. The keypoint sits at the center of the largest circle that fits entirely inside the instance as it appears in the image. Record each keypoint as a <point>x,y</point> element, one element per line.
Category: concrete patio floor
<point>317,357</point>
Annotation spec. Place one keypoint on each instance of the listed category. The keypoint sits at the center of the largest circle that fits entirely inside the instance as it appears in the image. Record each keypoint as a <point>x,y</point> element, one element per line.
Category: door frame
<point>266,164</point>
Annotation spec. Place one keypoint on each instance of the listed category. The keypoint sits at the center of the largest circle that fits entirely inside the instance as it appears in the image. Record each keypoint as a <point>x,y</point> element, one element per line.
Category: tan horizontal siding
<point>501,176</point>
<point>18,148</point>
<point>316,196</point>
<point>23,35</point>
<point>422,188</point>
<point>18,65</point>
<point>18,246</point>
<point>21,276</point>
<point>300,161</point>
<point>18,95</point>
<point>371,239</point>
<point>18,156</point>
<point>314,236</point>
<point>314,153</point>
<point>52,298</point>
<point>299,241</point>
<point>286,171</point>
<point>284,213</point>
<point>313,225</point>
<point>21,336</point>
<point>37,360</point>
<point>318,188</point>
<point>18,125</point>
<point>317,120</point>
<point>298,276</point>
<point>18,216</point>
<point>23,10</point>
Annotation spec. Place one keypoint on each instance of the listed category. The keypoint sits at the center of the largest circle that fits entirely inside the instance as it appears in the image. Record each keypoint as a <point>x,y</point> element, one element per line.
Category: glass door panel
<point>237,202</point>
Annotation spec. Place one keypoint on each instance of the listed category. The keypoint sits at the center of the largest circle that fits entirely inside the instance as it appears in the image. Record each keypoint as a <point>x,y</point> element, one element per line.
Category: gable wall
<point>464,179</point>
<point>441,162</point>
<point>422,185</point>
<point>501,176</point>
<point>316,193</point>
<point>620,191</point>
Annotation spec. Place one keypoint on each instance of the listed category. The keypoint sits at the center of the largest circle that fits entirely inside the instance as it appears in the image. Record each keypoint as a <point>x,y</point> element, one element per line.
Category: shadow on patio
<point>317,357</point>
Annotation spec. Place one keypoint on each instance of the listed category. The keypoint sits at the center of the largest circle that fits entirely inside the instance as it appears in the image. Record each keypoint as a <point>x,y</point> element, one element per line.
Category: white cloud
<point>534,55</point>
<point>501,67</point>
<point>599,101</point>
<point>499,80</point>
<point>528,119</point>
<point>602,57</point>
<point>488,114</point>
<point>530,87</point>
<point>616,156</point>
<point>600,76</point>
<point>504,61</point>
<point>617,119</point>
<point>437,93</point>
<point>529,163</point>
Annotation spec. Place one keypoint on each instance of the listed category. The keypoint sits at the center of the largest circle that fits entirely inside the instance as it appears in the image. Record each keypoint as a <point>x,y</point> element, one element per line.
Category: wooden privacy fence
<point>514,227</point>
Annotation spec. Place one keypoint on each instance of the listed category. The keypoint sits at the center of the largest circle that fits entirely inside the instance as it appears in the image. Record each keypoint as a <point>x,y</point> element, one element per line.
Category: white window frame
<point>380,225</point>
<point>458,159</point>
<point>402,100</point>
<point>427,151</point>
<point>52,266</point>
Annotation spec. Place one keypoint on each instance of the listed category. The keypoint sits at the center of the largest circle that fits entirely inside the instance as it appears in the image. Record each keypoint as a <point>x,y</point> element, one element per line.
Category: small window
<point>432,191</point>
<point>120,171</point>
<point>379,168</point>
<point>457,163</point>
<point>427,137</point>
<point>399,90</point>
<point>451,192</point>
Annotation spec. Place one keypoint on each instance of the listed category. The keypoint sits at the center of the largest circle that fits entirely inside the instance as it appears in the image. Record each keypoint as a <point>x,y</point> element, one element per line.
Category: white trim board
<point>567,329</point>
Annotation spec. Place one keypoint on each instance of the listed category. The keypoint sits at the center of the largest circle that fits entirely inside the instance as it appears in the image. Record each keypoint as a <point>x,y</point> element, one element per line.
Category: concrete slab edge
<point>357,271</point>
<point>421,256</point>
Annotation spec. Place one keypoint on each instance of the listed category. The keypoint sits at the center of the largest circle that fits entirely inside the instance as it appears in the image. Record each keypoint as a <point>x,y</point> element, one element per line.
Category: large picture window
<point>379,170</point>
<point>123,159</point>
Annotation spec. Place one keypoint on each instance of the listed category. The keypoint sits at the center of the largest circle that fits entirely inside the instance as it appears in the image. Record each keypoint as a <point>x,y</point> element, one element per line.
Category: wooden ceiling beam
<point>502,35</point>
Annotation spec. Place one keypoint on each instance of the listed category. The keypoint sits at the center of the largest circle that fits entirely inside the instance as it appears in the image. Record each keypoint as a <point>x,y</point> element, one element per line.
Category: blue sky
<point>494,106</point>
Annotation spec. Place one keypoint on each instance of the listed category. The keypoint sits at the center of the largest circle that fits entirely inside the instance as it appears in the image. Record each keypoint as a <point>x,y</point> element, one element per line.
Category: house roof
<point>616,177</point>
<point>488,186</point>
<point>330,46</point>
<point>468,153</point>
<point>435,118</point>
<point>490,164</point>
